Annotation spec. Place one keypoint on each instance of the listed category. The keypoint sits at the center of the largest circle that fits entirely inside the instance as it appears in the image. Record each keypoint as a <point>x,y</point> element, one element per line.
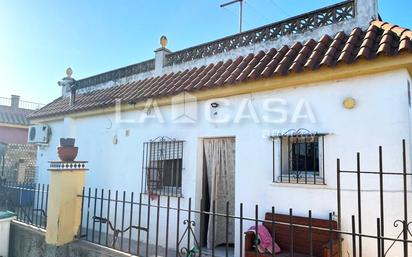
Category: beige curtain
<point>219,154</point>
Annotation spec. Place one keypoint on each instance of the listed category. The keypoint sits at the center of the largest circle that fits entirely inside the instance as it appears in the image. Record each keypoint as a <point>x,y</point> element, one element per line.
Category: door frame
<point>200,175</point>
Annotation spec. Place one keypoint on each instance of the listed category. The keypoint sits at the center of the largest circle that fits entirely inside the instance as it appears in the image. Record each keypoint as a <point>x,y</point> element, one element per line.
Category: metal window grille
<point>162,166</point>
<point>298,157</point>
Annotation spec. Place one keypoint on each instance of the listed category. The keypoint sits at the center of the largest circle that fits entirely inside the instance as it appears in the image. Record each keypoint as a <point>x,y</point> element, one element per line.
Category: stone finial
<point>163,41</point>
<point>160,55</point>
<point>68,80</point>
<point>69,72</point>
<point>67,83</point>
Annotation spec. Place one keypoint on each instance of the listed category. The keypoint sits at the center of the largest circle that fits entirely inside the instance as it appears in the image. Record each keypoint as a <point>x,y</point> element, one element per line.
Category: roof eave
<point>325,73</point>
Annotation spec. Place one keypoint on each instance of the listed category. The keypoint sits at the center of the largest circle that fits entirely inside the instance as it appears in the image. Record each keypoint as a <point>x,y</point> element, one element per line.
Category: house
<point>14,124</point>
<point>17,157</point>
<point>259,117</point>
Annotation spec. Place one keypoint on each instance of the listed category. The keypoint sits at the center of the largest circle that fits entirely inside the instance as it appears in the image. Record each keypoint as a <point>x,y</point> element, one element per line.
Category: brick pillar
<point>64,204</point>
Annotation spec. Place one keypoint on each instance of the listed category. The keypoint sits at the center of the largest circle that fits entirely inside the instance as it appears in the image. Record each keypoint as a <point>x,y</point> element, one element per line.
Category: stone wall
<point>26,241</point>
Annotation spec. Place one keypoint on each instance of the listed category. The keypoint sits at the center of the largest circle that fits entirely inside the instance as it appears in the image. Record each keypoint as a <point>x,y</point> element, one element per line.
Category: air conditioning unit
<point>39,134</point>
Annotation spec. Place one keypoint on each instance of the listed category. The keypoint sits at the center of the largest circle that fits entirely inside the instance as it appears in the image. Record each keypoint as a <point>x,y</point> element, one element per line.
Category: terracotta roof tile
<point>304,54</point>
<point>405,44</point>
<point>330,57</point>
<point>271,67</point>
<point>207,76</point>
<point>206,81</point>
<point>219,71</point>
<point>250,67</point>
<point>262,64</point>
<point>197,79</point>
<point>173,82</point>
<point>229,70</point>
<point>314,59</point>
<point>395,28</point>
<point>230,78</point>
<point>368,43</point>
<point>288,59</point>
<point>380,38</point>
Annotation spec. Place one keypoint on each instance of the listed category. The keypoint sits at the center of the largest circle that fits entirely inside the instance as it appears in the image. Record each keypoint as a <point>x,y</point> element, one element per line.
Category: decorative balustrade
<point>117,74</point>
<point>298,24</point>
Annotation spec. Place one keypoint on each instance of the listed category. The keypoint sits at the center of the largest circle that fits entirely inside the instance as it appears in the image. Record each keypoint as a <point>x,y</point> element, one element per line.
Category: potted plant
<point>67,142</point>
<point>67,152</point>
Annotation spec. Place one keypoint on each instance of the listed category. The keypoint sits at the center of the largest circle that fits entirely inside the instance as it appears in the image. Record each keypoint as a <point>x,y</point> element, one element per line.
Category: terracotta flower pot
<point>67,154</point>
<point>67,142</point>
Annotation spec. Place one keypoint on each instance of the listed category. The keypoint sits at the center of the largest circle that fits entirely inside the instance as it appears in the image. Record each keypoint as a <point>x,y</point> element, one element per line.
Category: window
<point>304,156</point>
<point>162,167</point>
<point>298,157</point>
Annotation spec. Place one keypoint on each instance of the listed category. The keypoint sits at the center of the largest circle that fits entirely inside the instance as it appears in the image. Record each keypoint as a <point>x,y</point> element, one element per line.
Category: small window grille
<point>162,167</point>
<point>298,157</point>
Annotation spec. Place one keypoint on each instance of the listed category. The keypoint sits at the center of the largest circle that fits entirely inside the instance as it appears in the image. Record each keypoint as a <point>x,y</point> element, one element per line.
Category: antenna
<point>240,11</point>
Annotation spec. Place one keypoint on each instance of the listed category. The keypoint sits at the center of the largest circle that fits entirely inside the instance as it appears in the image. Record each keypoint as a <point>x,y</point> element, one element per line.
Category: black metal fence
<point>148,225</point>
<point>383,246</point>
<point>27,201</point>
<point>155,227</point>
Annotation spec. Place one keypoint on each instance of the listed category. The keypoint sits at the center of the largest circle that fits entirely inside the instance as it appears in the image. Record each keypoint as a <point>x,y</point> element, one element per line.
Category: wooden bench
<point>321,239</point>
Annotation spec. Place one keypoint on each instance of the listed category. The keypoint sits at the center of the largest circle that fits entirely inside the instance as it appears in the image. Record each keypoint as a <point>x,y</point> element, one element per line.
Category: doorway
<point>218,186</point>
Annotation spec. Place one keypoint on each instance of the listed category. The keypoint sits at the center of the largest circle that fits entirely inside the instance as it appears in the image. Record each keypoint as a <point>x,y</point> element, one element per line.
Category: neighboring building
<point>13,121</point>
<point>279,104</point>
<point>17,157</point>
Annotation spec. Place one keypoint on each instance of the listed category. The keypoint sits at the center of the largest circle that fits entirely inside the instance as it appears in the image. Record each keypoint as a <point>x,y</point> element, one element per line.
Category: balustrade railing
<point>325,16</point>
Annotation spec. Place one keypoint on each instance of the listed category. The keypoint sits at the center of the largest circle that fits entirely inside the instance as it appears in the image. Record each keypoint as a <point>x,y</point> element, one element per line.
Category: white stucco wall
<point>381,117</point>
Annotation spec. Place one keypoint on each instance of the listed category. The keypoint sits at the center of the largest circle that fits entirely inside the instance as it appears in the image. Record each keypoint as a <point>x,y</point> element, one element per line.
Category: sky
<point>39,39</point>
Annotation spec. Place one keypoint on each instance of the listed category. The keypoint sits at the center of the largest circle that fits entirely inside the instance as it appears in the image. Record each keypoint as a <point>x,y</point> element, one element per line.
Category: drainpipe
<point>72,96</point>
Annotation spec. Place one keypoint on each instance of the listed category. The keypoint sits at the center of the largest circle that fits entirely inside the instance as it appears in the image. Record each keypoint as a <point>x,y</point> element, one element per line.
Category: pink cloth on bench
<point>265,237</point>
